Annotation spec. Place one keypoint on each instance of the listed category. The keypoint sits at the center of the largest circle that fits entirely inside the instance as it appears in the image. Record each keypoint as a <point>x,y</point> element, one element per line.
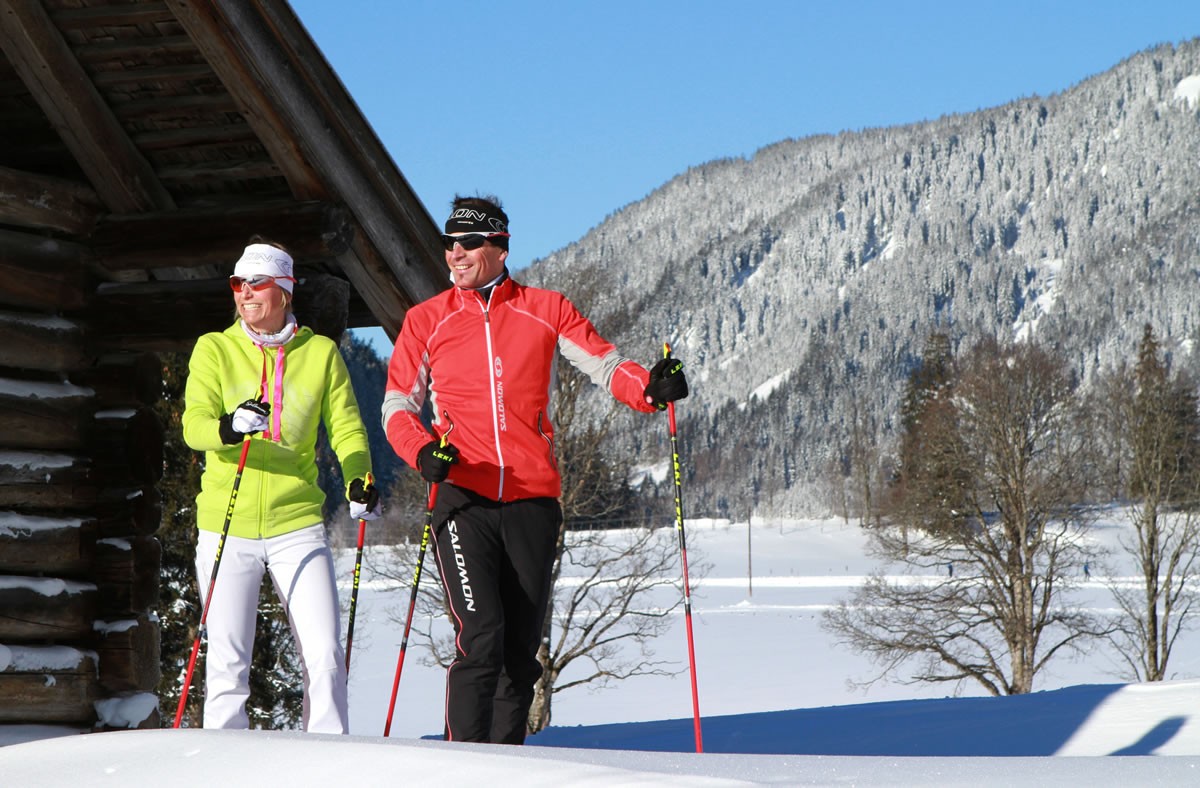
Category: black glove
<point>364,501</point>
<point>248,418</point>
<point>229,436</point>
<point>434,461</point>
<point>667,383</point>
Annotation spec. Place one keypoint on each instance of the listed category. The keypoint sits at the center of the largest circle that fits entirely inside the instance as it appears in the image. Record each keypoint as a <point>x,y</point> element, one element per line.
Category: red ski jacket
<point>485,367</point>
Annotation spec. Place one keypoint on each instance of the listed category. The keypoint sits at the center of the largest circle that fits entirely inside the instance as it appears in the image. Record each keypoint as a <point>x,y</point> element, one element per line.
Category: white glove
<point>364,501</point>
<point>359,511</point>
<point>251,416</point>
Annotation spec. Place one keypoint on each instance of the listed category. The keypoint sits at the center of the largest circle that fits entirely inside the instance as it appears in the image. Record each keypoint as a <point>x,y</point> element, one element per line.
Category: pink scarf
<point>276,341</point>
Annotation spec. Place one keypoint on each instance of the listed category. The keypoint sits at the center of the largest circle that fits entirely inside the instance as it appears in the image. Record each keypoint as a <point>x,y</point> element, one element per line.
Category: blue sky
<point>570,110</point>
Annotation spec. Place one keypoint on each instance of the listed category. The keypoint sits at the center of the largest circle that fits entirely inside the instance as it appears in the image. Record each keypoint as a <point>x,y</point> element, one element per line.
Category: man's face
<point>475,267</point>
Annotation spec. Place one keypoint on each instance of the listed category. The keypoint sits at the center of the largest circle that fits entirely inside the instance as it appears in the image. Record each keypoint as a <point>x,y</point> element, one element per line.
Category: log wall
<point>80,456</point>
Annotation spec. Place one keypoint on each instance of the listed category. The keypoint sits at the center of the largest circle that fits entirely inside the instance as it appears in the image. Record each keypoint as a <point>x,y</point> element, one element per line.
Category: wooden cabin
<point>141,143</point>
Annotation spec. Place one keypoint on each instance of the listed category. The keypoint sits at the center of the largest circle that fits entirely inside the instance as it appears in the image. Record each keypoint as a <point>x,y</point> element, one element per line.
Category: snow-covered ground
<point>773,697</point>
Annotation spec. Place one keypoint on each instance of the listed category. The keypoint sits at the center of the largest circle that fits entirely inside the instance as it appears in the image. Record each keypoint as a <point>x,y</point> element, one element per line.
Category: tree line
<point>983,513</point>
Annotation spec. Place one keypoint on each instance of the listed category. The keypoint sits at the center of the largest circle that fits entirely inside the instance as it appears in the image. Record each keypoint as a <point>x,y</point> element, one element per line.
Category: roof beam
<point>264,45</point>
<point>124,179</point>
<point>213,37</point>
<point>142,14</point>
<point>312,231</point>
<point>43,202</point>
<point>120,312</point>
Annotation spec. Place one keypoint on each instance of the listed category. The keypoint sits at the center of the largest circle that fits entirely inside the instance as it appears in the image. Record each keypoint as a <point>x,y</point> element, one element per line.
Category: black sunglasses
<point>469,241</point>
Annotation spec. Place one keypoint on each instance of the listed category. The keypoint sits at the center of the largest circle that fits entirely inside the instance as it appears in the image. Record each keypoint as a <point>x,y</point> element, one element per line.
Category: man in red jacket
<point>480,355</point>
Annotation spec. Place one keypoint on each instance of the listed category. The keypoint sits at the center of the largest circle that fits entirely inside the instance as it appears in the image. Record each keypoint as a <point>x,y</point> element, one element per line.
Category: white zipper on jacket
<point>487,332</point>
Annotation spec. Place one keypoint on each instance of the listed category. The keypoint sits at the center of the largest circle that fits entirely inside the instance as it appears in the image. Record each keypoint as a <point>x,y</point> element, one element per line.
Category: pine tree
<point>929,490</point>
<point>1159,422</point>
<point>179,612</point>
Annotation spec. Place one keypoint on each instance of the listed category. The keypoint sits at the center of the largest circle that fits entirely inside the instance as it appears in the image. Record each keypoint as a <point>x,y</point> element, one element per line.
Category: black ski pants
<point>495,561</point>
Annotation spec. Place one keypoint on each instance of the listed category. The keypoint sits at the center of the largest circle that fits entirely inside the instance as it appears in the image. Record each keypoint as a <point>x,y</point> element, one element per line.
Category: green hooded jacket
<point>278,492</point>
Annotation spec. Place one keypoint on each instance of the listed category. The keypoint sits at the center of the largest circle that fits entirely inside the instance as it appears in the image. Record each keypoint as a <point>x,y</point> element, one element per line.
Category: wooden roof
<point>151,138</point>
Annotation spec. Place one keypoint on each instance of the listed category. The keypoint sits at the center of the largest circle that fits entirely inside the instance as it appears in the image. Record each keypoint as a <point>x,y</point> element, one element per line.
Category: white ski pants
<point>301,567</point>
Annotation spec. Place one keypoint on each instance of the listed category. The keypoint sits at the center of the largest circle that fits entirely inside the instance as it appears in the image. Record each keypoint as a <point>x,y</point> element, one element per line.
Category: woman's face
<point>264,310</point>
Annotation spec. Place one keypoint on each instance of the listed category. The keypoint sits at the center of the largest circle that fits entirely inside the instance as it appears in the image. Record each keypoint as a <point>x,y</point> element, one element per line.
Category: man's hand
<point>667,383</point>
<point>434,461</point>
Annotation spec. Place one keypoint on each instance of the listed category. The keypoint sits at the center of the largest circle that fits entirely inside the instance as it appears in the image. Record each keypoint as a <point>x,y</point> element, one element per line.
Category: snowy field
<point>774,701</point>
<point>759,643</point>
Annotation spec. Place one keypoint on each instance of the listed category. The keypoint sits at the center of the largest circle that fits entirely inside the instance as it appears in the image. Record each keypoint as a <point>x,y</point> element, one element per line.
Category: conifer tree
<point>179,612</point>
<point>929,490</point>
<point>1158,420</point>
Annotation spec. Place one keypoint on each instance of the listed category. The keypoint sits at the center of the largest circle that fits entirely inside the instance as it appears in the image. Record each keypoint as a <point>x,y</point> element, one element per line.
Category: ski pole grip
<point>670,405</point>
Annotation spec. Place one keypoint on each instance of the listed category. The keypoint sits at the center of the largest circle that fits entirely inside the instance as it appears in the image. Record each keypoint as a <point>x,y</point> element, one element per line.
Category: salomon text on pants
<point>495,561</point>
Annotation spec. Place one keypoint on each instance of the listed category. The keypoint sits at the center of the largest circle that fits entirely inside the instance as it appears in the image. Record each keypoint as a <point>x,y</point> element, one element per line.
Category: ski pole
<point>431,501</point>
<point>687,594</point>
<point>212,582</point>
<point>362,532</point>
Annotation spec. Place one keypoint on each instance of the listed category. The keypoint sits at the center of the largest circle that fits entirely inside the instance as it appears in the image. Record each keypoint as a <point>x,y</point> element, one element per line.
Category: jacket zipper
<point>544,419</point>
<point>487,330</point>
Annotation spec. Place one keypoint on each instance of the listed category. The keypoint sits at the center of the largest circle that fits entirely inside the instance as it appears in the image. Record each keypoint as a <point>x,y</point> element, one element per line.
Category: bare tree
<point>995,544</point>
<point>616,594</point>
<point>1157,420</point>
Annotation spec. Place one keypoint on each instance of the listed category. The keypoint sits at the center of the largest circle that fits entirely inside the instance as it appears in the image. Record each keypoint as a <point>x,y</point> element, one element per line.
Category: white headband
<point>266,260</point>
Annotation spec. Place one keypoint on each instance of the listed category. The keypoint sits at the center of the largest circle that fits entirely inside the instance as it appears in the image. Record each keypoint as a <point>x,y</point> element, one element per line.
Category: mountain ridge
<point>813,271</point>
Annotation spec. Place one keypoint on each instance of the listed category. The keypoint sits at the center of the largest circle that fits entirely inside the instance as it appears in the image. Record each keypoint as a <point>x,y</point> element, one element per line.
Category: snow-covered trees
<point>798,285</point>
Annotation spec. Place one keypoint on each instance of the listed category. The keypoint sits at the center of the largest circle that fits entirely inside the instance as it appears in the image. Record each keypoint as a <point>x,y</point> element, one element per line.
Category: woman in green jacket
<point>268,380</point>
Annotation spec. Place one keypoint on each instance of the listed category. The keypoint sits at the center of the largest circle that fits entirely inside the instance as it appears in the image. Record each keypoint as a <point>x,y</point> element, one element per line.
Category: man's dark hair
<point>490,204</point>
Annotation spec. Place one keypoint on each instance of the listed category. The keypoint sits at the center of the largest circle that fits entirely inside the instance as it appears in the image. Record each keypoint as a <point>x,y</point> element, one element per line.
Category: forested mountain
<point>799,285</point>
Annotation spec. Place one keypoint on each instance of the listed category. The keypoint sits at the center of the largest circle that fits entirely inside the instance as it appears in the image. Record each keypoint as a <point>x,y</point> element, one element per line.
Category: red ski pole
<point>412,602</point>
<point>212,582</point>
<point>416,581</point>
<point>687,594</point>
<point>362,532</point>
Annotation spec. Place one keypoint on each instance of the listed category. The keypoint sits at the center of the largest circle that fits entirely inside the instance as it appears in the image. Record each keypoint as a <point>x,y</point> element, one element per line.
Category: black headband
<point>475,220</point>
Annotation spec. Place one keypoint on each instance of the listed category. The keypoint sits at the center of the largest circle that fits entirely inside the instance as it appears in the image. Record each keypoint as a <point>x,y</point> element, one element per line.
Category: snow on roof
<point>46,586</point>
<point>30,659</point>
<point>109,627</point>
<point>35,390</point>
<point>38,321</point>
<point>116,413</point>
<point>13,524</point>
<point>126,712</point>
<point>35,459</point>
